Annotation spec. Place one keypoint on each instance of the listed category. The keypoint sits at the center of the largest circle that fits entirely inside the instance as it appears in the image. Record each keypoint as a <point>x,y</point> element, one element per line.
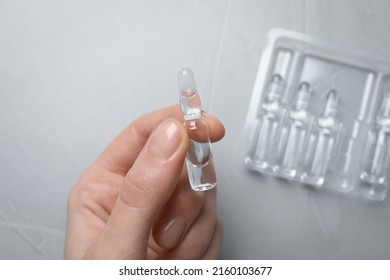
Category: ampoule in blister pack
<point>262,151</point>
<point>322,141</point>
<point>293,134</point>
<point>320,116</point>
<point>199,159</point>
<point>377,149</point>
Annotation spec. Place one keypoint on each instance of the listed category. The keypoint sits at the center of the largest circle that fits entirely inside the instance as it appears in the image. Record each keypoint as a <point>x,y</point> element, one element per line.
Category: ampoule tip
<point>186,82</point>
<point>332,102</point>
<point>275,88</point>
<point>304,92</point>
<point>277,79</point>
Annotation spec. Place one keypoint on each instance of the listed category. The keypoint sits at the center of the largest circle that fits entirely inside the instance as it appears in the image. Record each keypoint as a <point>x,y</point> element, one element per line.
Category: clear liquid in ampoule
<point>261,155</point>
<point>321,146</point>
<point>199,159</point>
<point>294,132</point>
<point>376,159</point>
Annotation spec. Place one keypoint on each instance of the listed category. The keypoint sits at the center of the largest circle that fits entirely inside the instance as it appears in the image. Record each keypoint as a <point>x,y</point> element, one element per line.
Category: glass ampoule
<point>324,136</point>
<point>293,134</point>
<point>377,148</point>
<point>199,159</point>
<point>261,153</point>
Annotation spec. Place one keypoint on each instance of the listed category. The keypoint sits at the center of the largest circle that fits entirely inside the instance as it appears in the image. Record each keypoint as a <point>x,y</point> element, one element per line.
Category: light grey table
<point>74,73</point>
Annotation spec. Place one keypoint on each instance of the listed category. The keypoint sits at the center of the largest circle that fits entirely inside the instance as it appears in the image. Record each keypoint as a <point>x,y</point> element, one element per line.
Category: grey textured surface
<point>74,73</point>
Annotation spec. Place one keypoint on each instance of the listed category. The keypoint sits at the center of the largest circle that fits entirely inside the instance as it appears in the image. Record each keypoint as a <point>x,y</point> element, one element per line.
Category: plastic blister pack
<point>320,115</point>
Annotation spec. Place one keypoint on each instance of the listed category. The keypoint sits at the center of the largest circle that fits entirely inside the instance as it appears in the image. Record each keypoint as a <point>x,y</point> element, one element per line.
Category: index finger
<point>120,155</point>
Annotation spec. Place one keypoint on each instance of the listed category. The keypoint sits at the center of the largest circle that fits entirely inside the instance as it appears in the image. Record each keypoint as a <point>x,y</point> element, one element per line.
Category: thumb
<point>145,189</point>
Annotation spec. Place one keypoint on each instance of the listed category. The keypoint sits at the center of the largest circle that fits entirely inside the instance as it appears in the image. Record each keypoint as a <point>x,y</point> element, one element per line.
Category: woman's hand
<point>135,201</point>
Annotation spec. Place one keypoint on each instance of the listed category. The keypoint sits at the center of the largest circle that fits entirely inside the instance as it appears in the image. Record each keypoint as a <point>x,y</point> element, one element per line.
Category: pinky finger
<point>214,249</point>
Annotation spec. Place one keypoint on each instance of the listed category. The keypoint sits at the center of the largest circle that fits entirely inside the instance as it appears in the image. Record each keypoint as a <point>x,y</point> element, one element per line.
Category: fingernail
<point>171,233</point>
<point>165,140</point>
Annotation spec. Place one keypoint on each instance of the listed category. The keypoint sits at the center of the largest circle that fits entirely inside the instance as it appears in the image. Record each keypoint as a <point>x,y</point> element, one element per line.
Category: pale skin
<point>135,201</point>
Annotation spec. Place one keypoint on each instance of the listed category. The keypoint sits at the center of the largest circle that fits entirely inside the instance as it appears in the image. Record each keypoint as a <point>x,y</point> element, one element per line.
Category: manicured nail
<point>165,139</point>
<point>171,233</point>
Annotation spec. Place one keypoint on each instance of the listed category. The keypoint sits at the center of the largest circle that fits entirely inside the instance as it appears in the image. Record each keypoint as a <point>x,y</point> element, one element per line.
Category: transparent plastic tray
<point>320,115</point>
